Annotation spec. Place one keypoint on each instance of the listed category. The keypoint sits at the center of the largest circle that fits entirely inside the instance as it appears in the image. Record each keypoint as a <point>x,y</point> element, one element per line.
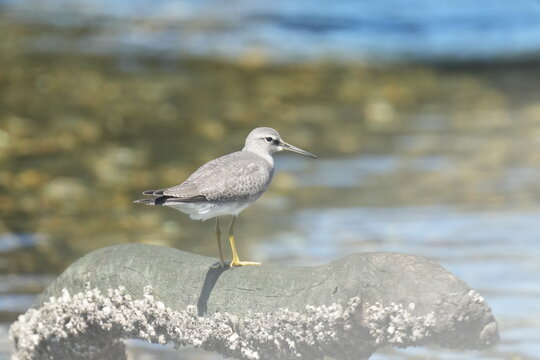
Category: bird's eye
<point>269,139</point>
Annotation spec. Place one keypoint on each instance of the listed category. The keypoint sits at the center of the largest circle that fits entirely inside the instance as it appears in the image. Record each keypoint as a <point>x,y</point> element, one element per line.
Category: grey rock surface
<point>346,309</point>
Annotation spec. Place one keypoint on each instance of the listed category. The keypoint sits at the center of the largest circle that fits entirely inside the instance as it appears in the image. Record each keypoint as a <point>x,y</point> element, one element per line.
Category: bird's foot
<point>237,262</point>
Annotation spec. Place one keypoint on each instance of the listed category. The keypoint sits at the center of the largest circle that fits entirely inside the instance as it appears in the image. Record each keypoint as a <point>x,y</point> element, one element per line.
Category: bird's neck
<point>266,156</point>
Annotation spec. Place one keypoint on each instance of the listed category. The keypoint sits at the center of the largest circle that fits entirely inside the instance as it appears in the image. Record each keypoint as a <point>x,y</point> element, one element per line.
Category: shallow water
<point>429,161</point>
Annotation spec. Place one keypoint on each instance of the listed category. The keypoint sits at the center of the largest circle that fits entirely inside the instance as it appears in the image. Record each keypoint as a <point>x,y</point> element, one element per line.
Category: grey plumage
<point>241,176</point>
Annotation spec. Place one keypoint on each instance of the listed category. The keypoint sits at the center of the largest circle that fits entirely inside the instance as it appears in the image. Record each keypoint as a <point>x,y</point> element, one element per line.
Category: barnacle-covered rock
<point>346,309</point>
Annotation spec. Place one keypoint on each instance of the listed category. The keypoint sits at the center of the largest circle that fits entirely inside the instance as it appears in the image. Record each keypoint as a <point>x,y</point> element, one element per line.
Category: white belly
<point>205,211</point>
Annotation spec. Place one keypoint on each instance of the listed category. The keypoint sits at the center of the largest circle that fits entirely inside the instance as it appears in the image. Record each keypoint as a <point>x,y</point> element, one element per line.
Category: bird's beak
<point>293,148</point>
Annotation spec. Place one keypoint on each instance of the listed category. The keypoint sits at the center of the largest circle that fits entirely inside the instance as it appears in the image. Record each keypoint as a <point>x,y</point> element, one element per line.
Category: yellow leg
<point>218,238</point>
<point>235,260</point>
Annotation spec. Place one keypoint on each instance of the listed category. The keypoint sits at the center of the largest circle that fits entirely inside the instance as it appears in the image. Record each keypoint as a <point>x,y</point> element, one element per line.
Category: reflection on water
<point>435,162</point>
<point>9,242</point>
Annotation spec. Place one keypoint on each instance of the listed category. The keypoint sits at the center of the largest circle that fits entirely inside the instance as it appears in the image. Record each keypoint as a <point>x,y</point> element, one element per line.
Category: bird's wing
<point>235,177</point>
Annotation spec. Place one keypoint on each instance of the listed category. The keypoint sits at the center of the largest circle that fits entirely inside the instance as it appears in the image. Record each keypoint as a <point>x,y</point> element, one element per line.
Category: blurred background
<point>425,116</point>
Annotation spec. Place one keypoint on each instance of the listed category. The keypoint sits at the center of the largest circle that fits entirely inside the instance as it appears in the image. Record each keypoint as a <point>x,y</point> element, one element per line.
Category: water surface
<point>389,30</point>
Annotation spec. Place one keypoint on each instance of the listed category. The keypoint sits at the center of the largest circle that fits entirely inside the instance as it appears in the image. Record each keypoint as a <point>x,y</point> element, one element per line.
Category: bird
<point>227,185</point>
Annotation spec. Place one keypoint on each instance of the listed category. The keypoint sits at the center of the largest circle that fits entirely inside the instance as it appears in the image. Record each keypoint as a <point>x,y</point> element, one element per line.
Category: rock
<point>346,309</point>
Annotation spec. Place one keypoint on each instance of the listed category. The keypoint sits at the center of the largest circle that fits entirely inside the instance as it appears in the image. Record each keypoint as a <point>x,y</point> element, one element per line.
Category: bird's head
<point>266,140</point>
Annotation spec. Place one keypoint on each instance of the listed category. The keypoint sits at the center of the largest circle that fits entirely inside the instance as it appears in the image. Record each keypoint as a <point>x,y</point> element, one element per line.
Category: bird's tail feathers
<point>153,192</point>
<point>145,201</point>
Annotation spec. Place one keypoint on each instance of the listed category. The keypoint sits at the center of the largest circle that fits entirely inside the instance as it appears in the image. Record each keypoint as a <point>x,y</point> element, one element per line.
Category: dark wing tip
<point>155,201</point>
